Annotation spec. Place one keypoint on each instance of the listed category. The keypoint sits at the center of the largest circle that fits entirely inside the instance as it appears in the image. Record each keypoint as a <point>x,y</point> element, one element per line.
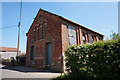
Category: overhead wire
<point>9,27</point>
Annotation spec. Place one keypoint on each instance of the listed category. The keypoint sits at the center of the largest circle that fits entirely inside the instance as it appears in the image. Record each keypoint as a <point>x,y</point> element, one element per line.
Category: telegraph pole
<point>19,31</point>
<point>18,38</point>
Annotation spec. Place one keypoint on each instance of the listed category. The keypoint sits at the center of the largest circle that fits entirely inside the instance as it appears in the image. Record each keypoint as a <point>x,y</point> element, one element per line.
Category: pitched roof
<point>7,49</point>
<point>70,21</point>
<point>73,22</point>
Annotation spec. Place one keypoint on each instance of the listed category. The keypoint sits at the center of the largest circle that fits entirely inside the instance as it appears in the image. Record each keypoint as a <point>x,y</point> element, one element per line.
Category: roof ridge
<point>50,12</point>
<point>72,21</point>
<point>68,21</point>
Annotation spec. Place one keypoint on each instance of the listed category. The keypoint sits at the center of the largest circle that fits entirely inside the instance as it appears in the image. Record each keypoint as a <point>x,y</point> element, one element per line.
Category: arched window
<point>35,33</point>
<point>43,32</point>
<point>84,38</point>
<point>39,29</point>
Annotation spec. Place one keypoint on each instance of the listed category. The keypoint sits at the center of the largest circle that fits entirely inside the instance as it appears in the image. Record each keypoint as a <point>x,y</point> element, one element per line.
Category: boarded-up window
<point>72,40</point>
<point>84,38</point>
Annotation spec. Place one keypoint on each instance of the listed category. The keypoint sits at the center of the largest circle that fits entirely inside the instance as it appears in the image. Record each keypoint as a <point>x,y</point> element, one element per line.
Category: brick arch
<point>43,22</point>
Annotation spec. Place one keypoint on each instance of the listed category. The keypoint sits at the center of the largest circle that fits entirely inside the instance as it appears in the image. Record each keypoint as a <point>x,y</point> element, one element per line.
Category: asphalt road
<point>25,73</point>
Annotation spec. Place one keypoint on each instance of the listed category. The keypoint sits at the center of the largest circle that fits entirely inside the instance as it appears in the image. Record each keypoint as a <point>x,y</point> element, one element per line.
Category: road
<point>25,72</point>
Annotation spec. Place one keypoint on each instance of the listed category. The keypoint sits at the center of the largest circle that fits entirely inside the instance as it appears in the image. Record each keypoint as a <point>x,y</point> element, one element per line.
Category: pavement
<point>24,73</point>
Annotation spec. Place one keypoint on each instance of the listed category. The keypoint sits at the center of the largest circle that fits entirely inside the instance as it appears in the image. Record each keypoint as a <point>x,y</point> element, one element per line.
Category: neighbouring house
<point>8,52</point>
<point>50,35</point>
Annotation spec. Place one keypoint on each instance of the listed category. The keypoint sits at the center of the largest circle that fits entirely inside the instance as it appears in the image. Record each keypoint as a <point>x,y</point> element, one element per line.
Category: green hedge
<point>98,61</point>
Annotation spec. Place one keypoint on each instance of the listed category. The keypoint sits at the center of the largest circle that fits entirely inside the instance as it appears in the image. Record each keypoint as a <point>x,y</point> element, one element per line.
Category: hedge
<point>97,61</point>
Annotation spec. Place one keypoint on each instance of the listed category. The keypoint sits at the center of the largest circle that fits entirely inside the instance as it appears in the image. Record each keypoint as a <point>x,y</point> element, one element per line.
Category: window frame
<point>83,36</point>
<point>71,36</point>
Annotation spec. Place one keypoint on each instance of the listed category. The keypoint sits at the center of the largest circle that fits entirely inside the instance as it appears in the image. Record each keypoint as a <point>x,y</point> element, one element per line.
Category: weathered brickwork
<point>49,33</point>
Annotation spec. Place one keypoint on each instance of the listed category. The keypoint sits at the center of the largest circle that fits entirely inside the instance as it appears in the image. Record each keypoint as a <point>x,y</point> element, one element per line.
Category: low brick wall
<point>9,64</point>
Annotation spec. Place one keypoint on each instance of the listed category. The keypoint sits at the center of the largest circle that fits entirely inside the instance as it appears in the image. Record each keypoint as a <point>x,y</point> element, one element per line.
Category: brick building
<point>50,35</point>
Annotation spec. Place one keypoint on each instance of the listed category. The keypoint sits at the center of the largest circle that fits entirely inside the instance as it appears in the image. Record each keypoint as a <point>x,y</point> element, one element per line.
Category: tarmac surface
<point>25,73</point>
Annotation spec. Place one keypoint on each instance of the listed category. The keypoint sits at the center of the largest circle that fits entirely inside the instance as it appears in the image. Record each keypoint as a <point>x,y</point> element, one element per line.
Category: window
<point>92,39</point>
<point>99,38</point>
<point>84,38</point>
<point>95,38</point>
<point>35,33</point>
<point>72,40</point>
<point>43,31</point>
<point>88,37</point>
<point>39,32</point>
<point>32,53</point>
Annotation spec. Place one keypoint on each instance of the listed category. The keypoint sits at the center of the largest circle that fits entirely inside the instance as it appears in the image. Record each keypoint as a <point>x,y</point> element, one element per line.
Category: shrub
<point>6,60</point>
<point>17,57</point>
<point>100,60</point>
<point>22,59</point>
<point>13,60</point>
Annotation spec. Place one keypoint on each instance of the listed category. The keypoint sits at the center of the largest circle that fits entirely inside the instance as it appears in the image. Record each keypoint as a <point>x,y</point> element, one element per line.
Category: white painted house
<point>7,52</point>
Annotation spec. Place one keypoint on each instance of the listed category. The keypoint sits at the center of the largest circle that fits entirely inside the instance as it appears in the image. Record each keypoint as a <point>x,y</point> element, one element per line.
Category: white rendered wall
<point>7,55</point>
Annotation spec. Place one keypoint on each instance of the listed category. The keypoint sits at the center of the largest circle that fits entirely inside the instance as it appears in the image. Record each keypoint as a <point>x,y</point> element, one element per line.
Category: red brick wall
<point>53,29</point>
<point>57,29</point>
<point>79,30</point>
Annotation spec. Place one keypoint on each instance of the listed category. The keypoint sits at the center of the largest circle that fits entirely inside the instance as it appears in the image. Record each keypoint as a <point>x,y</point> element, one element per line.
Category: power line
<point>9,27</point>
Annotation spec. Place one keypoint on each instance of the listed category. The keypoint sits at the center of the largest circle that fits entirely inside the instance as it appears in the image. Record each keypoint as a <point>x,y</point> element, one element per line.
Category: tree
<point>115,35</point>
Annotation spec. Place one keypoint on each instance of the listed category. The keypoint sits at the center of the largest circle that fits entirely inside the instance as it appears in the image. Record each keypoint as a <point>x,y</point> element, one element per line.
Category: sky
<point>99,16</point>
